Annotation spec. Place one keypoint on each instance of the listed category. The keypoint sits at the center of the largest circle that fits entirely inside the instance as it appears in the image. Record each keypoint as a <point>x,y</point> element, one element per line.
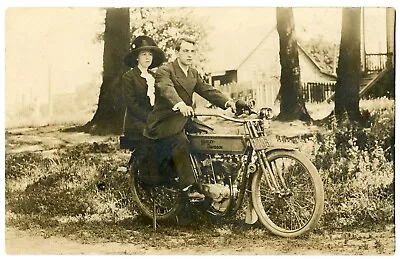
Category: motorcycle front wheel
<point>296,209</point>
<point>164,200</point>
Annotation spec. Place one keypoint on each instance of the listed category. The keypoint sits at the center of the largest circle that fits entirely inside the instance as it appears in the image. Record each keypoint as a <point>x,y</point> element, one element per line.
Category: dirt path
<point>375,243</point>
<point>52,137</point>
<point>22,242</point>
<point>45,138</point>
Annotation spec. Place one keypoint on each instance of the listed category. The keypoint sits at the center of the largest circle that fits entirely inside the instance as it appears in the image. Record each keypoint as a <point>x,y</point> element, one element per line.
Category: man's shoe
<point>196,197</point>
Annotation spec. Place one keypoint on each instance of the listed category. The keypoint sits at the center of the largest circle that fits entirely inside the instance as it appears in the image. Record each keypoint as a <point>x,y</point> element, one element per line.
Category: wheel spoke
<point>289,212</point>
<point>166,198</point>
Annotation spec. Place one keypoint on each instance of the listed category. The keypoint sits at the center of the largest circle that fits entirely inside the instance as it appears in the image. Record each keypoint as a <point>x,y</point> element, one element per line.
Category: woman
<point>138,91</point>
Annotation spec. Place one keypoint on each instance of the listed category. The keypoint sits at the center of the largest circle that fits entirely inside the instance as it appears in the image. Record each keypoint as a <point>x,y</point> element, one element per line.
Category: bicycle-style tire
<point>297,213</point>
<point>168,198</point>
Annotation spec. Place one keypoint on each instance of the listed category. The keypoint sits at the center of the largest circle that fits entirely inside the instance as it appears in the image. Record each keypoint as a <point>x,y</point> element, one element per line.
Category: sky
<point>53,50</point>
<point>52,46</point>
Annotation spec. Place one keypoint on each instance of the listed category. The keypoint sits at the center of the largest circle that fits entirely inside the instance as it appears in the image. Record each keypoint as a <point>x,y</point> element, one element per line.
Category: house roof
<point>258,45</point>
<point>233,62</point>
<point>230,49</point>
<point>322,70</point>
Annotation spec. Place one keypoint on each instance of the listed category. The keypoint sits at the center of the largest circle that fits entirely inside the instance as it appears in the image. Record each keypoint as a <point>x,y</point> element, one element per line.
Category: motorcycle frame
<point>253,152</point>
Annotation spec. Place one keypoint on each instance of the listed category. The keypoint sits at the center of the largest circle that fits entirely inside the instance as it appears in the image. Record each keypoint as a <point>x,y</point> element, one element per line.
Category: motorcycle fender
<point>280,147</point>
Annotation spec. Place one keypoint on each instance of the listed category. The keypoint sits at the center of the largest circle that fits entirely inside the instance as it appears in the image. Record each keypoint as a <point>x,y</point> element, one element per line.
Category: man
<point>175,84</point>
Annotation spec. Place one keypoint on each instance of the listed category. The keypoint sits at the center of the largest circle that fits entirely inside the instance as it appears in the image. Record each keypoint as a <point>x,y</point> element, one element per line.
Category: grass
<point>60,190</point>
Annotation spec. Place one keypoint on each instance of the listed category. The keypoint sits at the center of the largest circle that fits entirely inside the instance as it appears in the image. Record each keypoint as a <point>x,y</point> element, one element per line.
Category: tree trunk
<point>109,115</point>
<point>292,102</point>
<point>348,73</point>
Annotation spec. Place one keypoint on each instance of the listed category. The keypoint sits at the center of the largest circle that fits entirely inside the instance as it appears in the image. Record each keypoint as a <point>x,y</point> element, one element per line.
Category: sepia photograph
<point>199,130</point>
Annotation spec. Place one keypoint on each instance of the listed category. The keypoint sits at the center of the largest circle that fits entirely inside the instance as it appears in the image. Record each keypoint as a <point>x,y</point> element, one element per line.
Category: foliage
<point>357,167</point>
<point>356,164</point>
<point>69,184</point>
<point>167,25</point>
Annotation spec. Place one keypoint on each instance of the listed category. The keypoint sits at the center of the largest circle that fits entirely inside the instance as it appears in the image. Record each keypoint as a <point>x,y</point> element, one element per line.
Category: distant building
<point>257,76</point>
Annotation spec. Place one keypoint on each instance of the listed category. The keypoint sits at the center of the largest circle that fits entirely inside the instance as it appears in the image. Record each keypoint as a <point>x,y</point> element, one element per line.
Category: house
<point>257,76</point>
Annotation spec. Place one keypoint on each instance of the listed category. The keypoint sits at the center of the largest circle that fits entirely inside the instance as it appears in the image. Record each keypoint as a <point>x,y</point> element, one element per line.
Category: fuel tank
<point>217,144</point>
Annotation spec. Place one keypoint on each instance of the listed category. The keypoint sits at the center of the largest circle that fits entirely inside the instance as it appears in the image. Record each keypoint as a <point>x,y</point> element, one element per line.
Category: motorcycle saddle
<point>195,125</point>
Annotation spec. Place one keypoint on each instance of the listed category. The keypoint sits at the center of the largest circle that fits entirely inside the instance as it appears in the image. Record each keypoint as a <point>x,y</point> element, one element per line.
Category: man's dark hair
<point>184,39</point>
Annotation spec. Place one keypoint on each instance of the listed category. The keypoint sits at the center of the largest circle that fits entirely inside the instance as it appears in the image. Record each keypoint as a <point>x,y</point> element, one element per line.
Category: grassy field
<point>72,185</point>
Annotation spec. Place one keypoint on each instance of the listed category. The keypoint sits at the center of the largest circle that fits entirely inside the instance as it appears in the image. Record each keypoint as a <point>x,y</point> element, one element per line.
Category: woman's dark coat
<point>138,107</point>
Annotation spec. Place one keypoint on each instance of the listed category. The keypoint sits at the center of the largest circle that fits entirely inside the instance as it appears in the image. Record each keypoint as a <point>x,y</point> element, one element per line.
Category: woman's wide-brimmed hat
<point>144,43</point>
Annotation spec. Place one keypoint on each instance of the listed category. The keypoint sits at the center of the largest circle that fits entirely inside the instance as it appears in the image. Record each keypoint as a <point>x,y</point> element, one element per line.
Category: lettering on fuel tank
<point>210,144</point>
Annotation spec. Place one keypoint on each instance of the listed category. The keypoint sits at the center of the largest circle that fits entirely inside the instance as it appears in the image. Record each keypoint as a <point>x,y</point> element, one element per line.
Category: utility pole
<point>362,38</point>
<point>49,97</point>
<point>390,29</point>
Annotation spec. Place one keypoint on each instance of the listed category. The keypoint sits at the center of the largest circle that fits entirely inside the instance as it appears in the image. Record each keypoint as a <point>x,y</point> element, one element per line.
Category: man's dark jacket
<point>172,87</point>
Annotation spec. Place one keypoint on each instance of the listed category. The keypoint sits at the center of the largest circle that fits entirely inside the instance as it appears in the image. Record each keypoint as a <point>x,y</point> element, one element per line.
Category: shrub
<point>357,167</point>
<point>356,163</point>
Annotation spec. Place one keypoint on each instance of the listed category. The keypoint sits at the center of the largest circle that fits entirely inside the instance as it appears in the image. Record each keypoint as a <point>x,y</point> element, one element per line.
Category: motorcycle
<point>283,188</point>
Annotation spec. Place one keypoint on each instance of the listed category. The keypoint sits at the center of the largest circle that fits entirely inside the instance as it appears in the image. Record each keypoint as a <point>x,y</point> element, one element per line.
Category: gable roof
<point>323,71</point>
<point>258,45</point>
<point>251,52</point>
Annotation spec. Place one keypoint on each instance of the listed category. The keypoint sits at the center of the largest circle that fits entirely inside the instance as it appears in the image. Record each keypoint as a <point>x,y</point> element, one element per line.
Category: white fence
<point>263,93</point>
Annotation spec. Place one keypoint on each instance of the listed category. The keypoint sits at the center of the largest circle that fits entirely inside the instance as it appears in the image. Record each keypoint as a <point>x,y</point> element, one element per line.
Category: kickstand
<point>154,215</point>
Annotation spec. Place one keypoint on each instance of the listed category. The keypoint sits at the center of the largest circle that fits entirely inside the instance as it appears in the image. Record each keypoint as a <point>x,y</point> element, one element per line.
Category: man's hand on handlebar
<point>185,110</point>
<point>239,107</point>
<point>242,107</point>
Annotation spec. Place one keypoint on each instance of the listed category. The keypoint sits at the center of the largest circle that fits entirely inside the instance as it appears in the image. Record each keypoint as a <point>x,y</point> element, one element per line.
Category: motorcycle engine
<point>218,177</point>
<point>219,194</point>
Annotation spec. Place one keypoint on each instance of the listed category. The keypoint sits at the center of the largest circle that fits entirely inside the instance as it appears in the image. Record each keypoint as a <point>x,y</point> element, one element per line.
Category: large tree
<point>348,72</point>
<point>108,118</point>
<point>292,106</point>
<point>165,26</point>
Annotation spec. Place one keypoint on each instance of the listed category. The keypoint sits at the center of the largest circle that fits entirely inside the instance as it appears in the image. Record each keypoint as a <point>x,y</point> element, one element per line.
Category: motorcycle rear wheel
<point>167,198</point>
<point>297,211</point>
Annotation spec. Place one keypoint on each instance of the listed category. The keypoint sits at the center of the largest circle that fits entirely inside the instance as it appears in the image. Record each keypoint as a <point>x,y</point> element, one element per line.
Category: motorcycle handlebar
<point>224,117</point>
<point>264,113</point>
